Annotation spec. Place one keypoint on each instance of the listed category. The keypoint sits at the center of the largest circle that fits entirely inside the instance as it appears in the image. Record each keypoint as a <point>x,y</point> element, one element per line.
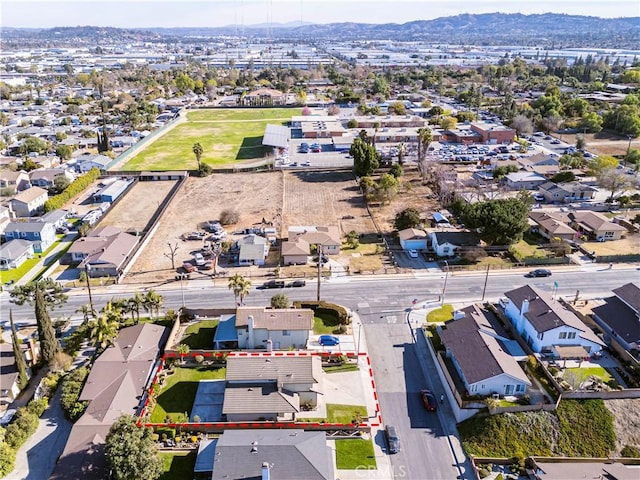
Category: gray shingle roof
<point>275,319</point>
<point>258,398</point>
<point>282,369</point>
<point>620,318</point>
<point>629,294</point>
<point>290,454</point>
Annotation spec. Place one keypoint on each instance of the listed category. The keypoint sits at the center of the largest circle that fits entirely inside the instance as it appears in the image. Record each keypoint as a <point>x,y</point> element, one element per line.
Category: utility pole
<point>446,277</point>
<point>320,252</point>
<point>486,279</point>
<point>86,270</point>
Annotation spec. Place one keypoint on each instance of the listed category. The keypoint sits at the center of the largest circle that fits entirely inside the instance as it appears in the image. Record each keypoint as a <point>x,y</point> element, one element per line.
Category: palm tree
<point>240,287</point>
<point>424,140</point>
<point>152,302</point>
<point>112,311</point>
<point>198,151</point>
<point>103,331</point>
<point>402,150</point>
<point>135,303</point>
<point>86,312</point>
<point>183,350</point>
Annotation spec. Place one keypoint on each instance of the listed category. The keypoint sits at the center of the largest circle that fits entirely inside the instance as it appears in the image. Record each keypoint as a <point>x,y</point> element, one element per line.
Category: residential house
<point>5,218</point>
<point>552,225</point>
<point>327,236</point>
<point>447,243</point>
<point>57,218</point>
<point>253,250</point>
<point>619,316</point>
<point>278,454</point>
<point>84,163</point>
<point>104,252</point>
<point>45,177</point>
<point>480,351</point>
<point>524,180</point>
<point>541,164</point>
<point>270,387</point>
<point>280,329</point>
<point>10,388</point>
<point>295,253</point>
<point>114,387</point>
<point>566,192</point>
<point>13,182</point>
<point>14,253</point>
<point>545,324</point>
<point>413,239</point>
<point>29,202</point>
<point>596,226</point>
<point>41,234</point>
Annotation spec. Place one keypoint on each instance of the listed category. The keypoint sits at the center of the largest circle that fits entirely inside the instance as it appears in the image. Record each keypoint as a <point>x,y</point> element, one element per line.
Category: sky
<point>215,13</point>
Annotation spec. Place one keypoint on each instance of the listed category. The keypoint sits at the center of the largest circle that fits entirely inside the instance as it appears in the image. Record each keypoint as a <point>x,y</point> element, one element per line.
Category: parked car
<point>429,400</point>
<point>297,283</point>
<point>273,284</point>
<point>540,272</point>
<point>328,340</point>
<point>7,417</point>
<point>413,253</point>
<point>324,259</point>
<point>199,259</point>
<point>392,439</point>
<point>188,267</point>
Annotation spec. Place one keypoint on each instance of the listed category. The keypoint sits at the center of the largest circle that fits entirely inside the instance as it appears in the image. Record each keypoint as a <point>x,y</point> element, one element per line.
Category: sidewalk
<point>48,260</point>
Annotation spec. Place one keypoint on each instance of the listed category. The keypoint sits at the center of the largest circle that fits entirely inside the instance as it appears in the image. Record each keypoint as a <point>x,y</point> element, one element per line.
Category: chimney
<point>266,474</point>
<point>525,307</point>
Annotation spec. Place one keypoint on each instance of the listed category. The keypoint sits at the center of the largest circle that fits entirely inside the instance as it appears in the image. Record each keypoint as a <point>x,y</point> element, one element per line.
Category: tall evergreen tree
<point>49,344</point>
<point>21,364</point>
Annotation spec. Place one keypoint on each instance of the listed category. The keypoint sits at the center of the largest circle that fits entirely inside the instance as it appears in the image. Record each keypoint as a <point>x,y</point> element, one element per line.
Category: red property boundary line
<point>222,425</point>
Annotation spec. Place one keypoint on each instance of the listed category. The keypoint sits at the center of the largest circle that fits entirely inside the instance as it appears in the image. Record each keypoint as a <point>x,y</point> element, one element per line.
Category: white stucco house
<point>284,328</point>
<point>445,243</point>
<point>545,324</point>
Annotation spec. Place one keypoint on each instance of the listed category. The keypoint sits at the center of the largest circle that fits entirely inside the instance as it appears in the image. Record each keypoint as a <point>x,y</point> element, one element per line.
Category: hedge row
<point>18,432</point>
<point>326,310</point>
<point>74,188</point>
<point>71,389</point>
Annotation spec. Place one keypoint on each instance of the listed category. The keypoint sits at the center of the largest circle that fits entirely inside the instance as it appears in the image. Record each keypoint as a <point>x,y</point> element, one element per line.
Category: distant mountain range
<point>544,30</point>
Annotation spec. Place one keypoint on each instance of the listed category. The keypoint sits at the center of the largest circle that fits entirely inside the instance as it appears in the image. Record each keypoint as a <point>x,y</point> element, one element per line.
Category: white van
<point>199,259</point>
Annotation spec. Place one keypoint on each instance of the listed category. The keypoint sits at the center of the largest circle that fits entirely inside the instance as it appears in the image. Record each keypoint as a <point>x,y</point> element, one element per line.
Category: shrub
<point>205,170</point>
<point>38,406</point>
<point>71,389</point>
<point>76,187</point>
<point>199,358</point>
<point>229,216</point>
<point>50,383</point>
<point>7,459</point>
<point>332,314</point>
<point>166,432</point>
<point>630,452</point>
<point>21,428</point>
<point>483,472</point>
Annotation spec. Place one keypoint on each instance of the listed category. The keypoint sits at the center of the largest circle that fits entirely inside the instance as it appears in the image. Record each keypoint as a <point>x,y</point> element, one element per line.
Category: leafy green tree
<point>21,364</point>
<point>633,156</point>
<point>28,165</point>
<point>562,177</point>
<point>198,151</point>
<point>367,185</point>
<point>60,183</point>
<point>43,294</point>
<point>64,152</point>
<point>353,239</point>
<point>498,222</point>
<point>407,218</point>
<point>33,144</point>
<point>398,108</point>
<point>396,170</point>
<point>591,122</point>
<point>380,87</point>
<point>280,301</point>
<point>603,162</point>
<point>503,170</point>
<point>387,186</point>
<point>365,158</point>
<point>184,83</point>
<point>131,452</point>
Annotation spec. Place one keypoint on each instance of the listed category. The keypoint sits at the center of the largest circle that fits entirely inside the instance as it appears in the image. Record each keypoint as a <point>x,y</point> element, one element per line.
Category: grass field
<point>227,136</point>
<point>355,453</point>
<point>442,314</point>
<point>199,336</point>
<point>178,465</point>
<point>584,373</point>
<point>179,392</point>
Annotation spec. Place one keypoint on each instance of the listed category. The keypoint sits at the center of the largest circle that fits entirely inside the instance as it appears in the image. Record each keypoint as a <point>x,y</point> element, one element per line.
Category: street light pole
<point>486,279</point>
<point>358,346</point>
<point>446,277</point>
<point>320,253</point>
<point>626,158</point>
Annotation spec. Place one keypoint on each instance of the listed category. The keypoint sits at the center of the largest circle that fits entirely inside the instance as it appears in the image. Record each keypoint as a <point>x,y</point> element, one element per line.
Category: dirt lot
<point>324,198</point>
<point>626,421</point>
<point>138,205</point>
<point>604,143</point>
<point>628,245</point>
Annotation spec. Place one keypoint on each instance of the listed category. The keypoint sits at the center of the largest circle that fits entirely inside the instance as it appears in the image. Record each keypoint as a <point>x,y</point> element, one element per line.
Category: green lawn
<point>320,327</point>
<point>227,136</point>
<point>178,465</point>
<point>179,391</point>
<point>355,453</point>
<point>442,314</point>
<point>16,274</point>
<point>583,373</point>
<point>347,367</point>
<point>199,336</point>
<point>337,413</point>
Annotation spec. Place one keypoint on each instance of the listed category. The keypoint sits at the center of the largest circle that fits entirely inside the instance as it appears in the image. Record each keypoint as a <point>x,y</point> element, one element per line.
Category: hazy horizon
<point>218,13</point>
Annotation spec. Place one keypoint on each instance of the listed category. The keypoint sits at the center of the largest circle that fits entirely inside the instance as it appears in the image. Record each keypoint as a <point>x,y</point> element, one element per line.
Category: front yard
<point>442,314</point>
<point>355,454</point>
<point>178,465</point>
<point>179,391</point>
